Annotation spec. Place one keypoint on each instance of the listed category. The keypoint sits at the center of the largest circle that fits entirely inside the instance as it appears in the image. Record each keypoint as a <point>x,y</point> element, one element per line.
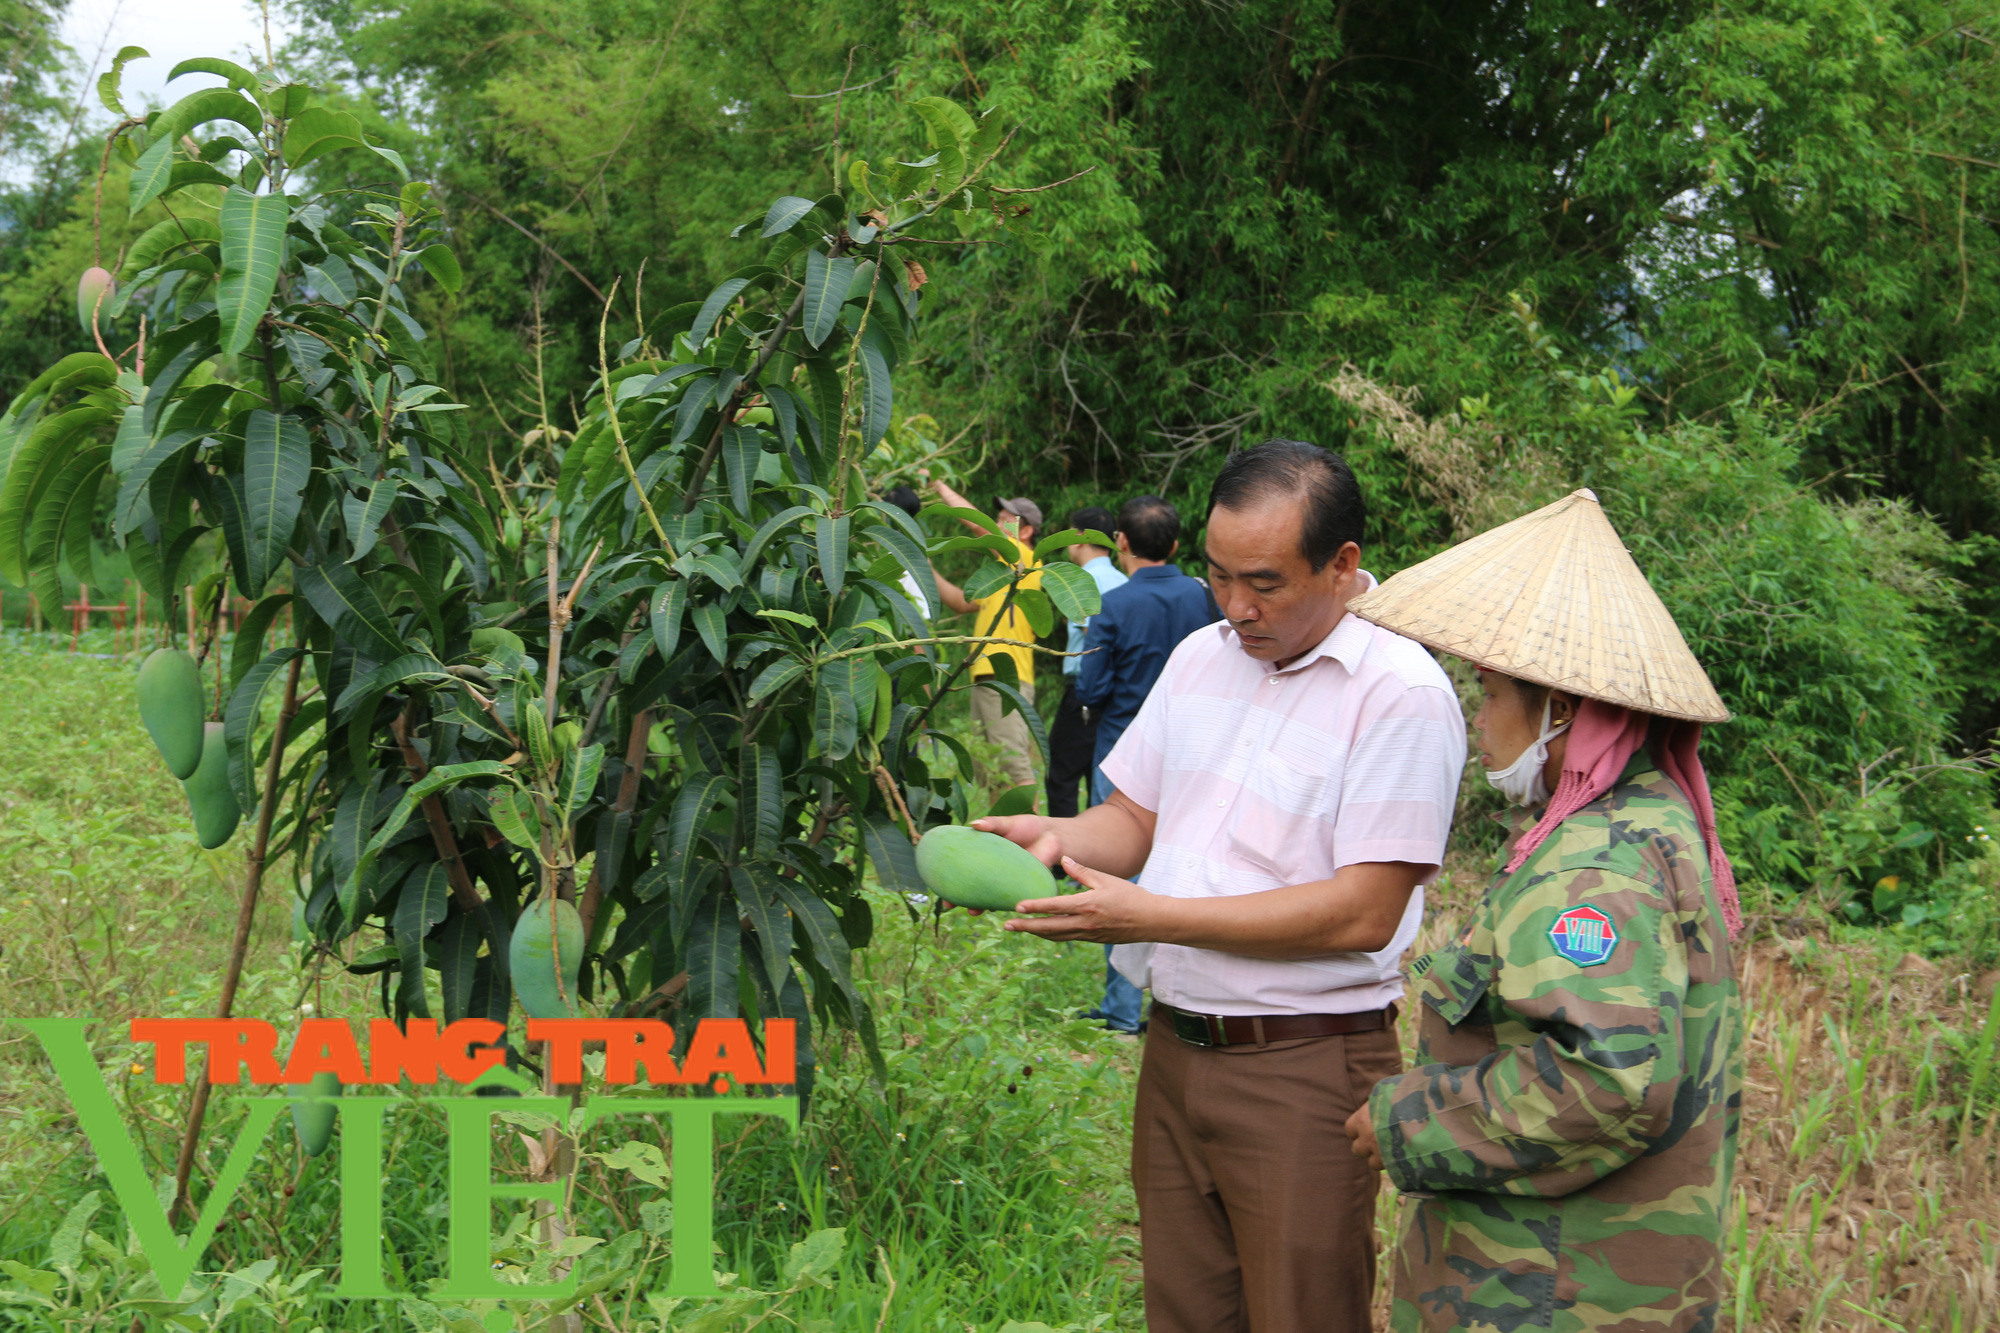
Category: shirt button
<point>1222,800</point>
<point>1274,680</point>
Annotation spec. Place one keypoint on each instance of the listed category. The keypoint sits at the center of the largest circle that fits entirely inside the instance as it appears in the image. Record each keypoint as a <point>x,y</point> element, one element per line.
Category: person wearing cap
<point>1018,520</point>
<point>1567,1134</point>
<point>1285,792</point>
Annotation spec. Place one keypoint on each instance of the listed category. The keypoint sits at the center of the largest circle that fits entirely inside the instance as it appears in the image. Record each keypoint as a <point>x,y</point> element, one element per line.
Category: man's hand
<point>1109,911</point>
<point>1361,1135</point>
<point>1035,832</point>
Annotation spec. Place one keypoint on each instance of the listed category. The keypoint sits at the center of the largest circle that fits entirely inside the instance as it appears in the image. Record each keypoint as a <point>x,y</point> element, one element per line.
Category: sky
<point>172,31</point>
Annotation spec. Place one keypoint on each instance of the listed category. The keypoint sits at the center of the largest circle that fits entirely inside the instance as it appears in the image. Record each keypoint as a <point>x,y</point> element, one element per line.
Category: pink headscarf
<point>1602,740</point>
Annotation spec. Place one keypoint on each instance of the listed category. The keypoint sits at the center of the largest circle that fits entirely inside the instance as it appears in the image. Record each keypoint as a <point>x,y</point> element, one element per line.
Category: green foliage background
<point>1752,247</point>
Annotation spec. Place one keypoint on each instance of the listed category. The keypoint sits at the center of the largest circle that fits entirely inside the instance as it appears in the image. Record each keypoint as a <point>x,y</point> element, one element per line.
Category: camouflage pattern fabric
<point>1567,1132</point>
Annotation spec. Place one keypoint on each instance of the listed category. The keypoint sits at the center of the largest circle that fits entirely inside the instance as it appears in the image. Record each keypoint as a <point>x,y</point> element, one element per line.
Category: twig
<point>628,797</point>
<point>547,249</point>
<point>1037,189</point>
<point>618,432</point>
<point>246,914</point>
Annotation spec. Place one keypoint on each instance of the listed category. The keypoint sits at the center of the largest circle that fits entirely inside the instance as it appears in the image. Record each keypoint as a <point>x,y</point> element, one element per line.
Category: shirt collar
<point>1155,572</point>
<point>1346,644</point>
<point>1100,560</point>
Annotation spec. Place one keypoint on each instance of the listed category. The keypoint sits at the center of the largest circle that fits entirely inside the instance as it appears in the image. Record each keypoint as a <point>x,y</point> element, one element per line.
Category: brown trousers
<point>1254,1214</point>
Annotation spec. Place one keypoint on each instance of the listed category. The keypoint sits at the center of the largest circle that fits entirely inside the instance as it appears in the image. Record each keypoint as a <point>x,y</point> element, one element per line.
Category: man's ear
<point>1124,543</point>
<point>1562,707</point>
<point>1173,550</point>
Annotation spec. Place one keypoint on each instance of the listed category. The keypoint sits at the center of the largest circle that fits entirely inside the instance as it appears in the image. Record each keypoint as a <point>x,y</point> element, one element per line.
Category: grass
<point>984,1183</point>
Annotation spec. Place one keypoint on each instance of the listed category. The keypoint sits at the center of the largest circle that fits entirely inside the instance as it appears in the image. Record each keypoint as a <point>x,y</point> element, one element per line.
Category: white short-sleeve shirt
<point>1263,777</point>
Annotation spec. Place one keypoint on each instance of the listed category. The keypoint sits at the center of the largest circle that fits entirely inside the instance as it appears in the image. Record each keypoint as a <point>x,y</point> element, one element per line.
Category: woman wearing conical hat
<point>1567,1131</point>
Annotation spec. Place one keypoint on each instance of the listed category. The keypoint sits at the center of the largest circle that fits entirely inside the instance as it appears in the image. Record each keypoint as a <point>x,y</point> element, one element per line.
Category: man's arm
<point>1357,911</point>
<point>957,501</point>
<point>953,595</point>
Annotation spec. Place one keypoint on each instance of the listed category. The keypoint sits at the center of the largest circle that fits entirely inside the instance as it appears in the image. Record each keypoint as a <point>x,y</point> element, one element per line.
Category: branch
<point>547,249</point>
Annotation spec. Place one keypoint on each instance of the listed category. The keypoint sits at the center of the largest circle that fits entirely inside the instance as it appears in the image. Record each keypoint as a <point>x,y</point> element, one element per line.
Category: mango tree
<point>675,704</point>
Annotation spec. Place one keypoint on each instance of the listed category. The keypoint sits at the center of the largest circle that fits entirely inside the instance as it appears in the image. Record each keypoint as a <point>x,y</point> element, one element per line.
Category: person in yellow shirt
<point>1018,520</point>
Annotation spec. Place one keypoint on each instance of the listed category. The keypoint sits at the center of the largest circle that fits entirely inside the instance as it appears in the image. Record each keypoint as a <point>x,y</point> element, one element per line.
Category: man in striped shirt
<point>1286,790</point>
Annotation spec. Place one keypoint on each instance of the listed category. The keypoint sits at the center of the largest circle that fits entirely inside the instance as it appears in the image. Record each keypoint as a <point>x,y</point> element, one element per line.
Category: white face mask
<point>1521,781</point>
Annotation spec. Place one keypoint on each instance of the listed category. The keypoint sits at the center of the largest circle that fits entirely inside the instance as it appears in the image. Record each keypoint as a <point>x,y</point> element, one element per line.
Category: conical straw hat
<point>1554,598</point>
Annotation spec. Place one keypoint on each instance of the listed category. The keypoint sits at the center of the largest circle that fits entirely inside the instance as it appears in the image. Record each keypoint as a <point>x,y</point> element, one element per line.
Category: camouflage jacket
<point>1568,1129</point>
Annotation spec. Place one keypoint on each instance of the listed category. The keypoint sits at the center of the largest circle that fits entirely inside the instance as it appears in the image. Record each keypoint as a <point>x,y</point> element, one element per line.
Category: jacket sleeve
<point>1094,678</point>
<point>1586,1068</point>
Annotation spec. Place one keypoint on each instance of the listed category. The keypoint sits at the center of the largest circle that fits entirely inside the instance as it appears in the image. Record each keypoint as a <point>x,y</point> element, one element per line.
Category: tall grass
<point>984,1183</point>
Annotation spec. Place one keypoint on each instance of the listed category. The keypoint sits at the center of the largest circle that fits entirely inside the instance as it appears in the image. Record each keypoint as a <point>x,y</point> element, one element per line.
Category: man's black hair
<point>1093,518</point>
<point>1151,526</point>
<point>904,499</point>
<point>1335,513</point>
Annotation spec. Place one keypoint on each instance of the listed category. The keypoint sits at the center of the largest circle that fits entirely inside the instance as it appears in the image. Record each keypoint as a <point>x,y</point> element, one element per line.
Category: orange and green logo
<point>720,1058</point>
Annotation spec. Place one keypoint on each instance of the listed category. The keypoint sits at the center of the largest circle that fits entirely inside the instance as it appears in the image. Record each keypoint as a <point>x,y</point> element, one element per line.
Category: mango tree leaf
<point>712,623</point>
<point>775,677</point>
<point>812,916</point>
<point>761,797</point>
<point>878,398</point>
<point>783,214</point>
<point>277,464</point>
<point>830,536</point>
<point>109,91</point>
<point>151,175</point>
<point>425,898</point>
<point>912,558</point>
<point>668,601</point>
<point>339,597</point>
<point>1072,589</point>
<point>711,310</point>
<point>826,287</point>
<point>253,246</point>
<point>834,721</point>
<point>892,854</point>
<point>1027,711</point>
<point>691,806</point>
<point>713,955</point>
<point>579,779</point>
<point>240,722</point>
<point>757,895</point>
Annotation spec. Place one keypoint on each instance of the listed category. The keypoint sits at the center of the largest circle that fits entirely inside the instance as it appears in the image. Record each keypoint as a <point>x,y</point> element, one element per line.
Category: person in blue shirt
<point>1073,735</point>
<point>1126,646</point>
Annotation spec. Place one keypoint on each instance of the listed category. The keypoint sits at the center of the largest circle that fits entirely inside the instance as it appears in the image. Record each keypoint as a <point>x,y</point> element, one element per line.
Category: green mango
<point>209,798</point>
<point>972,869</point>
<point>94,291</point>
<point>533,952</point>
<point>491,641</point>
<point>313,1120</point>
<point>170,704</point>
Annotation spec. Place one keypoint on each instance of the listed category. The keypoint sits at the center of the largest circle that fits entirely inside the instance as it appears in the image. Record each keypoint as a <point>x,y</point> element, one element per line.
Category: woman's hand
<point>1361,1137</point>
<point>1109,911</point>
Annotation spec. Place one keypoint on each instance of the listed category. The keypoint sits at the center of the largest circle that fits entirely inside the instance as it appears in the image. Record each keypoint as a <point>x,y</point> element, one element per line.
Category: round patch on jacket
<point>1584,935</point>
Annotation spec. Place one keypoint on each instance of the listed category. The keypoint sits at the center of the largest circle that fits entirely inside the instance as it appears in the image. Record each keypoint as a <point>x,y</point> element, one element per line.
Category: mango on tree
<point>545,959</point>
<point>212,803</point>
<point>170,704</point>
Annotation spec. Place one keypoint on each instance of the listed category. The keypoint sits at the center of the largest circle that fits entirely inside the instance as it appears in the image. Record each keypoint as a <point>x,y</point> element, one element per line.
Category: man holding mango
<point>1286,789</point>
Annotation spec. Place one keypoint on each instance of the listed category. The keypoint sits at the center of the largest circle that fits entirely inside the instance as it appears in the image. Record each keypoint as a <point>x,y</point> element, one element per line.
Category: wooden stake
<point>246,915</point>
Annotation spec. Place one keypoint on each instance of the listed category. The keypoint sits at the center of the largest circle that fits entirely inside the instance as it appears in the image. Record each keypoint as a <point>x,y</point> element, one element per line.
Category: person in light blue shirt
<point>1073,735</point>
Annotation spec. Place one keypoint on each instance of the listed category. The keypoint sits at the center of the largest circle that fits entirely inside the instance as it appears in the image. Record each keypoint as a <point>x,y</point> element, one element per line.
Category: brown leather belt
<point>1262,1029</point>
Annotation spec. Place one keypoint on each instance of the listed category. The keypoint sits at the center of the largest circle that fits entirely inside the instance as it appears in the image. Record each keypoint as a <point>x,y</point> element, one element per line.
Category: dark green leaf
<point>783,215</point>
<point>891,853</point>
<point>775,677</point>
<point>741,450</point>
<point>249,645</point>
<point>826,288</point>
<point>277,463</point>
<point>761,797</point>
<point>253,247</point>
<point>878,399</point>
<point>830,536</point>
<point>830,947</point>
<point>757,894</point>
<point>833,710</point>
<point>691,806</point>
<point>458,959</point>
<point>912,558</point>
<point>240,721</point>
<point>421,905</point>
<point>712,623</point>
<point>713,954</point>
<point>339,597</point>
<point>711,310</point>
<point>1027,712</point>
<point>1034,604</point>
<point>669,600</point>
<point>364,517</point>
